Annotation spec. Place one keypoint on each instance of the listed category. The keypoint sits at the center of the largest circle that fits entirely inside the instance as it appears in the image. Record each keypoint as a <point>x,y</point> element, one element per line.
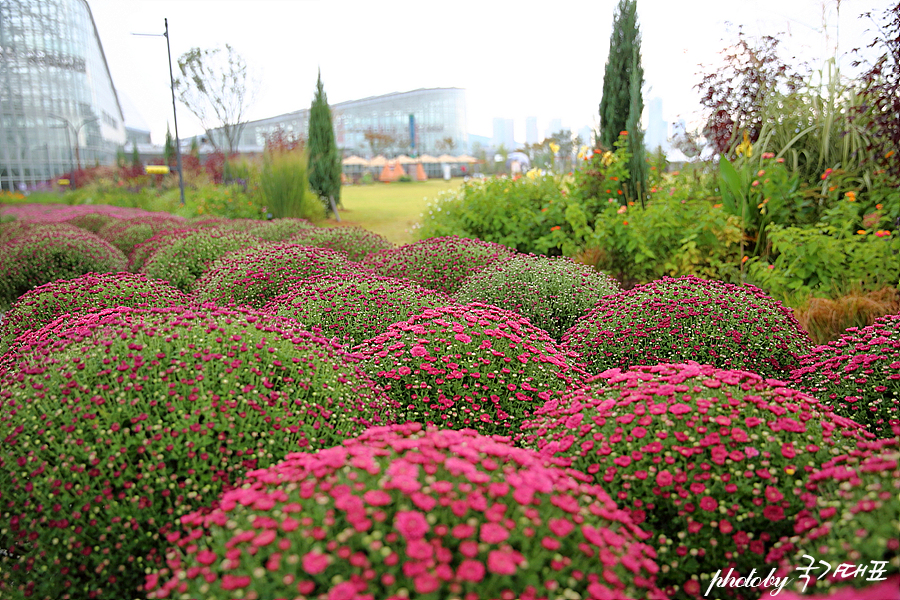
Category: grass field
<point>389,209</point>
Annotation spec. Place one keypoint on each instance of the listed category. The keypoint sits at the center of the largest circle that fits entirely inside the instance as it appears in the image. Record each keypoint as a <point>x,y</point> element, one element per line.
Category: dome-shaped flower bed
<point>859,374</point>
<point>182,259</point>
<point>278,230</point>
<point>88,293</point>
<point>677,320</point>
<point>144,250</point>
<point>92,222</point>
<point>125,235</point>
<point>41,254</point>
<point>468,366</point>
<point>253,276</point>
<point>402,513</point>
<point>851,515</point>
<point>711,461</point>
<point>353,307</point>
<point>355,242</point>
<point>552,293</point>
<point>131,418</point>
<point>438,263</point>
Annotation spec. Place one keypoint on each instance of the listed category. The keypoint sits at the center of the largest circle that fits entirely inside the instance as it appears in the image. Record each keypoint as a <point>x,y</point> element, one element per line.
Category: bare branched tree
<point>215,85</point>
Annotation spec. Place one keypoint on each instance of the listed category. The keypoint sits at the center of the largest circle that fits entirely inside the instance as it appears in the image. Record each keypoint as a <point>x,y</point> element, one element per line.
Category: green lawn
<point>389,209</point>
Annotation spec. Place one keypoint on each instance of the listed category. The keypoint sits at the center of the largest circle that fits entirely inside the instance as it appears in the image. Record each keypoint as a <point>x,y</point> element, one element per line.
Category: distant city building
<point>439,114</point>
<point>554,126</point>
<point>657,135</point>
<point>58,105</point>
<point>504,133</point>
<point>531,130</point>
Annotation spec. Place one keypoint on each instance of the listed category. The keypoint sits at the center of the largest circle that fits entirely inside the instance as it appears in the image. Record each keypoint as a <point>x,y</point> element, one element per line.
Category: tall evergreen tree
<point>324,156</point>
<point>169,148</point>
<point>622,102</point>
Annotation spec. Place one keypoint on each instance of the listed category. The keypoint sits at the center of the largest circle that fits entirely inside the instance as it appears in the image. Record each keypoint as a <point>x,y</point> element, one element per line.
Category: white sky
<point>515,59</point>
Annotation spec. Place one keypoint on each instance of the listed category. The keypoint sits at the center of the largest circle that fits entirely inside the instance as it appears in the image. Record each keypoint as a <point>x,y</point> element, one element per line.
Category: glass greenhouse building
<point>438,114</point>
<point>58,105</point>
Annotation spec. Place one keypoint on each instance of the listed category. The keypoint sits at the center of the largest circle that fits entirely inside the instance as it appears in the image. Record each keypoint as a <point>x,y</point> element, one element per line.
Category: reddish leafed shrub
<point>401,513</point>
<point>117,425</point>
<point>711,461</point>
<point>676,320</point>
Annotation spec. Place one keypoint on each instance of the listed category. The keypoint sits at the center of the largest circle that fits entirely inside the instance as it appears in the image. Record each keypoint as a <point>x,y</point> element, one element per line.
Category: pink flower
<point>470,570</point>
<point>411,524</point>
<point>708,503</point>
<point>461,337</point>
<point>560,527</point>
<point>492,533</point>
<point>377,498</point>
<point>664,478</point>
<point>426,583</point>
<point>315,562</point>
<point>680,409</point>
<point>418,351</point>
<point>503,562</point>
<point>343,591</point>
<point>234,582</point>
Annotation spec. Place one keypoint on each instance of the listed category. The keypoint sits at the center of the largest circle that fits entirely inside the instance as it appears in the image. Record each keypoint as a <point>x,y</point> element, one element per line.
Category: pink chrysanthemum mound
<point>400,512</point>
<point>688,318</point>
<point>469,366</point>
<point>114,427</point>
<point>88,293</point>
<point>711,461</point>
<point>253,276</point>
<point>92,222</point>
<point>125,235</point>
<point>278,230</point>
<point>180,260</point>
<point>859,374</point>
<point>355,242</point>
<point>438,263</point>
<point>144,250</point>
<point>39,254</point>
<point>353,307</point>
<point>851,515</point>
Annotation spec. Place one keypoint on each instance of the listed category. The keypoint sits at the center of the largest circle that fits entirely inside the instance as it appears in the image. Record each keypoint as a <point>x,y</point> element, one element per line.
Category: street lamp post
<point>76,130</point>
<point>174,110</point>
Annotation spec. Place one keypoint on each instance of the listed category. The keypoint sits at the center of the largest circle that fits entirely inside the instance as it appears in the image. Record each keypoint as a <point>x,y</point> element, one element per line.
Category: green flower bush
<point>92,222</point>
<point>676,320</point>
<point>859,374</point>
<point>278,230</point>
<point>137,258</point>
<point>127,419</point>
<point>405,513</point>
<point>850,516</point>
<point>39,254</point>
<point>473,366</point>
<point>88,293</point>
<point>552,293</point>
<point>125,235</point>
<point>253,276</point>
<point>441,264</point>
<point>353,307</point>
<point>712,462</point>
<point>355,242</point>
<point>180,260</point>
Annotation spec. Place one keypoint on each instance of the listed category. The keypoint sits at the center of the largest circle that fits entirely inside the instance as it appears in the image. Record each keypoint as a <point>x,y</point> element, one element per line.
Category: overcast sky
<point>515,59</point>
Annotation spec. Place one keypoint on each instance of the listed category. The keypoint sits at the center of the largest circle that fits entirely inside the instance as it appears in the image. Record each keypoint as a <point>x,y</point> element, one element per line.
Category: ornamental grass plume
<point>253,276</point>
<point>130,418</point>
<point>712,462</point>
<point>355,242</point>
<point>850,515</point>
<point>688,318</point>
<point>43,253</point>
<point>473,366</point>
<point>553,293</point>
<point>88,293</point>
<point>858,375</point>
<point>353,307</point>
<point>404,513</point>
<point>438,263</point>
<point>181,260</point>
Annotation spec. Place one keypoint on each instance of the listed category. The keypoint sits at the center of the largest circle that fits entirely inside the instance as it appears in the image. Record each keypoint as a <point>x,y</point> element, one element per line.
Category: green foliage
<point>169,148</point>
<point>324,156</point>
<point>637,166</point>
<point>622,67</point>
<point>284,187</point>
<point>354,242</point>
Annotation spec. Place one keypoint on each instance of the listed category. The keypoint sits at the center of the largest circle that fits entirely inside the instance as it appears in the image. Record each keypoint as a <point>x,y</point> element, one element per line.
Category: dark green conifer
<point>324,156</point>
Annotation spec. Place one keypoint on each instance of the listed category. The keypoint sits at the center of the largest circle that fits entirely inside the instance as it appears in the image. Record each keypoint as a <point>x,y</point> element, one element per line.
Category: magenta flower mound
<point>88,293</point>
<point>471,366</point>
<point>144,250</point>
<point>711,461</point>
<point>181,260</point>
<point>125,235</point>
<point>39,254</point>
<point>253,276</point>
<point>278,230</point>
<point>115,427</point>
<point>859,374</point>
<point>851,515</point>
<point>353,307</point>
<point>355,242</point>
<point>676,320</point>
<point>93,221</point>
<point>438,263</point>
<point>400,512</point>
<point>552,293</point>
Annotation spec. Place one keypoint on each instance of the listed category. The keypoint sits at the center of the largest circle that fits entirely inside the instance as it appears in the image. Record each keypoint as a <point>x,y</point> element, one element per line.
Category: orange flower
<point>624,222</point>
<point>554,228</point>
<point>889,154</point>
<point>745,259</point>
<point>614,178</point>
<point>879,206</point>
<point>543,210</point>
<point>861,232</point>
<point>620,192</point>
<point>850,196</point>
<point>623,133</point>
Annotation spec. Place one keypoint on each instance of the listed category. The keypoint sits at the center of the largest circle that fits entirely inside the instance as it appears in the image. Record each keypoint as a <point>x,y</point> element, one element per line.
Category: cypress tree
<point>169,148</point>
<point>324,157</point>
<point>637,164</point>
